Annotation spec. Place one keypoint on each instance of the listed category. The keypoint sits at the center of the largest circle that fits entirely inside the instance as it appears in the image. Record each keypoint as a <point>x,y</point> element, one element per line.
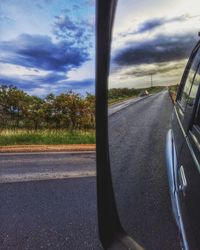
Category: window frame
<point>185,76</point>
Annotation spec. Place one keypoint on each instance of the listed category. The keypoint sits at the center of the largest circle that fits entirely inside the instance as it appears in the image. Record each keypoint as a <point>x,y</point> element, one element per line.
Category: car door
<point>189,158</point>
<point>179,116</point>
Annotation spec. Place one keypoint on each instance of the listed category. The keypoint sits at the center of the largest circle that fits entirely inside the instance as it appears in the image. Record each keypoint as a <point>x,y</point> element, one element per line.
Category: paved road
<point>41,166</point>
<point>51,214</point>
<point>119,106</point>
<point>137,139</point>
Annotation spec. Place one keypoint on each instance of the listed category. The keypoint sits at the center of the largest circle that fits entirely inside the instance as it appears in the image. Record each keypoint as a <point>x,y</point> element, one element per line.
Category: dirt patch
<point>47,148</point>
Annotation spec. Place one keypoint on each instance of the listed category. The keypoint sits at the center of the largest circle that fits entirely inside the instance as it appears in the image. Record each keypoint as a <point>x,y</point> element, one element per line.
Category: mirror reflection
<point>150,48</point>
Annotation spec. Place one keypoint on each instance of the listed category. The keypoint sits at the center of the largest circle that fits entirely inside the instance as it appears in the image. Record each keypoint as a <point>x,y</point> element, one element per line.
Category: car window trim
<point>186,71</point>
<point>185,110</point>
<point>191,123</point>
<point>196,162</point>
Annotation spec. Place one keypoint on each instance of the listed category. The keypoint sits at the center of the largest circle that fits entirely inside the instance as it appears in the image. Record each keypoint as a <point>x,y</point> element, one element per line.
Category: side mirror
<point>111,232</point>
<point>132,190</point>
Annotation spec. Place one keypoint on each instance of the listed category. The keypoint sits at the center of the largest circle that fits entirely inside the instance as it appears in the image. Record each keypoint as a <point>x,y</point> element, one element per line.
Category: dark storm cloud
<point>79,32</point>
<point>50,82</point>
<point>163,48</point>
<point>154,23</point>
<point>157,22</point>
<point>36,51</point>
<point>20,82</point>
<point>150,24</point>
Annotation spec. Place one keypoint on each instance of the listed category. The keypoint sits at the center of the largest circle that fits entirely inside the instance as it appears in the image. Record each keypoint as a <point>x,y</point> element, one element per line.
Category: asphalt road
<point>48,214</point>
<point>17,167</point>
<point>61,213</point>
<point>137,143</point>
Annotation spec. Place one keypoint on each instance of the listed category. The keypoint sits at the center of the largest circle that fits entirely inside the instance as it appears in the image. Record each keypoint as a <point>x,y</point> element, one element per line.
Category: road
<point>59,210</point>
<point>17,167</point>
<point>119,106</point>
<point>52,213</point>
<point>137,142</point>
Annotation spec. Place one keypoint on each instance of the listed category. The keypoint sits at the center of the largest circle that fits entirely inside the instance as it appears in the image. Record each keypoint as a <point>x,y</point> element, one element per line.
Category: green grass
<point>50,137</point>
<point>174,88</point>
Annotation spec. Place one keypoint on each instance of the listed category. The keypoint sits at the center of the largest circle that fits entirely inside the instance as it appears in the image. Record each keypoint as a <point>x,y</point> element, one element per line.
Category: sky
<point>152,37</point>
<point>48,46</point>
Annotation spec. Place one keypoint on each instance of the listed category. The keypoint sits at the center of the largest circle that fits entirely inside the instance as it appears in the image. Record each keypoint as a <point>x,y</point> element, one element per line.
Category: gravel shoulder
<point>47,148</point>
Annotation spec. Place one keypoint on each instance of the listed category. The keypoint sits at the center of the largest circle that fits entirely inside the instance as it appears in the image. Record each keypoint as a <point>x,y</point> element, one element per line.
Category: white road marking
<point>117,107</point>
<point>48,153</point>
<point>9,178</point>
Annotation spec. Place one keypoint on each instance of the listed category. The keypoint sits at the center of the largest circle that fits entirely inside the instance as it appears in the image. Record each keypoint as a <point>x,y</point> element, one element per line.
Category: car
<point>183,154</point>
<point>144,93</point>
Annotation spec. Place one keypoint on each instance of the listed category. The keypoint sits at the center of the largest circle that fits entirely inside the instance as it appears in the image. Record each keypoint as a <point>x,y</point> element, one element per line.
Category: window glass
<point>189,80</point>
<point>192,95</point>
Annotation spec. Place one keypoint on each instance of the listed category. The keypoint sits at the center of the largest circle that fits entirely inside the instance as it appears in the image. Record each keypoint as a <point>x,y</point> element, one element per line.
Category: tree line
<point>64,111</point>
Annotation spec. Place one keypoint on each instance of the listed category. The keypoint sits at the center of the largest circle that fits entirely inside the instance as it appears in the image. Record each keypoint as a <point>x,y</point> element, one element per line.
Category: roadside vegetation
<point>48,137</point>
<point>173,91</point>
<point>174,88</point>
<point>68,118</point>
<point>69,110</point>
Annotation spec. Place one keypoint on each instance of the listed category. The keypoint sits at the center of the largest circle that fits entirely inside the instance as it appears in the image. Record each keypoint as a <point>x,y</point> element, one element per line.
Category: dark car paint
<point>183,149</point>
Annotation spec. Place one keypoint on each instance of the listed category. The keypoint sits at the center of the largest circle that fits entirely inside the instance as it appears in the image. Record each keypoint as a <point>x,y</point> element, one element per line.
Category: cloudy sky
<point>49,46</point>
<point>152,37</point>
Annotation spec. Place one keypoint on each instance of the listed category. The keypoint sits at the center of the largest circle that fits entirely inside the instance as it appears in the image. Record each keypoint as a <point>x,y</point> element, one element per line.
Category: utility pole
<point>151,80</point>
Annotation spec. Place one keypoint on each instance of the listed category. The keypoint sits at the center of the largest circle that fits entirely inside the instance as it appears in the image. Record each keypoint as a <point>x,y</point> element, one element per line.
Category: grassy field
<point>49,137</point>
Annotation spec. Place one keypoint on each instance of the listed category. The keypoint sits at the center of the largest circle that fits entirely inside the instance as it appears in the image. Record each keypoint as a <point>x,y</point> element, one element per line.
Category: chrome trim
<point>181,112</point>
<point>195,127</point>
<point>195,140</point>
<point>179,121</point>
<point>183,185</point>
<point>192,152</point>
<point>171,163</point>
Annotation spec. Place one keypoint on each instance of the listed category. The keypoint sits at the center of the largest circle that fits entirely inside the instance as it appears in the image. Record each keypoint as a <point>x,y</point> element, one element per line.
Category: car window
<point>192,95</point>
<point>189,81</point>
<point>194,88</point>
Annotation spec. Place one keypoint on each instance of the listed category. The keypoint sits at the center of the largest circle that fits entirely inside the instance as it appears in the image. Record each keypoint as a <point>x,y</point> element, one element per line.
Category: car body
<point>144,93</point>
<point>183,154</point>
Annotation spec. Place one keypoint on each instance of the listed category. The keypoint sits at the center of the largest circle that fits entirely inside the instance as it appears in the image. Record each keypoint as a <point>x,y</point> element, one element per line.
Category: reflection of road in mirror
<point>137,142</point>
<point>119,106</point>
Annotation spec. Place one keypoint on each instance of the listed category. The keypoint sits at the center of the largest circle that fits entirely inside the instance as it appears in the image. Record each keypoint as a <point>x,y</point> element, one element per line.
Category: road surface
<point>52,213</point>
<point>137,143</point>
<point>17,167</point>
<point>61,213</point>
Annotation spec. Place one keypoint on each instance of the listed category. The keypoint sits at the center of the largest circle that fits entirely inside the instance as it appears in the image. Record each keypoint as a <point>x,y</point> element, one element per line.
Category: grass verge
<point>47,137</point>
